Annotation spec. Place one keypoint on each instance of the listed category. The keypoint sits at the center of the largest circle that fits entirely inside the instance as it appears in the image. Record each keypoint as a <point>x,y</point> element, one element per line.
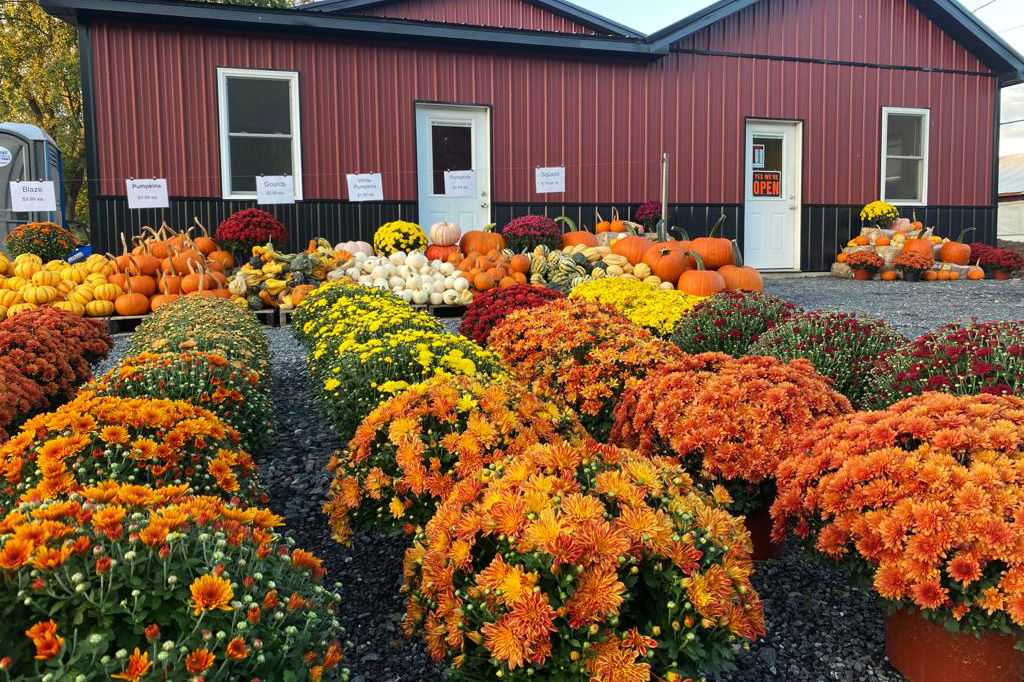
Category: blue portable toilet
<point>27,152</point>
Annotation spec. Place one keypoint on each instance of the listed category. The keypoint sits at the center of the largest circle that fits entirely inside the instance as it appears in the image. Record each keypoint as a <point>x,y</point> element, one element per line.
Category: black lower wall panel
<point>825,229</point>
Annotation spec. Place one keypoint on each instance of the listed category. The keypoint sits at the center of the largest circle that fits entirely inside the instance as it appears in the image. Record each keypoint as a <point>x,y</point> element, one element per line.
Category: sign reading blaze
<point>767,184</point>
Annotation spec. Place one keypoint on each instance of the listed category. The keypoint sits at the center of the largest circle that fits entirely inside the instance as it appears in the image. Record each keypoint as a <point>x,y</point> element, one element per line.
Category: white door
<point>771,226</point>
<point>454,138</point>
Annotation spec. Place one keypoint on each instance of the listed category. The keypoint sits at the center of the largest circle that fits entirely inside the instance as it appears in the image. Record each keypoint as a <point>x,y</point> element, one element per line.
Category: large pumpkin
<point>481,241</point>
<point>632,248</point>
<point>922,245</point>
<point>740,277</point>
<point>667,263</point>
<point>440,251</point>
<point>445,233</point>
<point>956,252</point>
<point>574,236</point>
<point>714,251</point>
<point>700,281</point>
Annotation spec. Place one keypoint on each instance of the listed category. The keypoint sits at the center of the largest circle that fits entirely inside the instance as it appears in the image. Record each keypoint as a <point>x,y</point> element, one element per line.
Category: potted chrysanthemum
<point>864,264</point>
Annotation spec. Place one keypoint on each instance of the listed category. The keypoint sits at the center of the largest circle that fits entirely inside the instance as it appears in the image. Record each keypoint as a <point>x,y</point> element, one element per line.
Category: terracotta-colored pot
<point>925,652</point>
<point>862,274</point>
<point>759,523</point>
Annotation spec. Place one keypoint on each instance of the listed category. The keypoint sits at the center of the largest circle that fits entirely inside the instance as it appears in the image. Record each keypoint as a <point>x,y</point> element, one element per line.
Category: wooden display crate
<point>447,311</point>
<point>124,325</point>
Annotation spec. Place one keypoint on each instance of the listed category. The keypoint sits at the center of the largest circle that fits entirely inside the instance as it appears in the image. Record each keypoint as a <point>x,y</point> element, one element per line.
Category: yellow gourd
<point>26,269</point>
<point>70,306</point>
<point>46,278</point>
<point>15,283</point>
<point>9,297</point>
<point>55,266</point>
<point>99,308</point>
<point>4,265</point>
<point>28,258</point>
<point>39,295</point>
<point>106,292</point>
<point>20,308</point>
<point>73,274</point>
<point>81,294</point>
<point>3,312</point>
<point>96,278</point>
<point>65,287</point>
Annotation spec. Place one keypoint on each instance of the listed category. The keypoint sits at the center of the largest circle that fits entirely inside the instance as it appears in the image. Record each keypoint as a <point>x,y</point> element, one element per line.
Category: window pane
<point>452,150</point>
<point>772,153</point>
<point>252,156</point>
<point>903,179</point>
<point>258,106</point>
<point>904,135</point>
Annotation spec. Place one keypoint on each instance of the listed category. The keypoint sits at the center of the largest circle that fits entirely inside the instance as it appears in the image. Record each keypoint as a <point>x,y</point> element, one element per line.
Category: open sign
<point>767,184</point>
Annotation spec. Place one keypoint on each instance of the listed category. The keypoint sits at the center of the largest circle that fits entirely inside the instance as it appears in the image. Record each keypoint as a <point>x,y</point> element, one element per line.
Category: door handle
<point>483,205</point>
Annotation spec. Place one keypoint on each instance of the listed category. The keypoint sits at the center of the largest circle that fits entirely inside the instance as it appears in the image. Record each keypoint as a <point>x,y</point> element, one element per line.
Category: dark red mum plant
<point>243,229</point>
<point>22,398</point>
<point>648,213</point>
<point>47,358</point>
<point>523,234</point>
<point>491,307</point>
<point>88,337</point>
<point>991,258</point>
<point>730,321</point>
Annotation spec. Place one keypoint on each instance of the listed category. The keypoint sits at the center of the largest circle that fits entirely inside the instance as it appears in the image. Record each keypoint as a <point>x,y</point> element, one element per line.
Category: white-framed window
<point>259,129</point>
<point>905,156</point>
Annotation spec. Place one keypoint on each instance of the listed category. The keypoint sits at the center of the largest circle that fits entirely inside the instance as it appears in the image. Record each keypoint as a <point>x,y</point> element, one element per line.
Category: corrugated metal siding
<point>608,122</point>
<point>504,13</point>
<point>871,31</point>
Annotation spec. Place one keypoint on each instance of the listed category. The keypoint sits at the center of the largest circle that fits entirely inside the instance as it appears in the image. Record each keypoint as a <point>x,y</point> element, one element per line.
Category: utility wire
<point>973,11</point>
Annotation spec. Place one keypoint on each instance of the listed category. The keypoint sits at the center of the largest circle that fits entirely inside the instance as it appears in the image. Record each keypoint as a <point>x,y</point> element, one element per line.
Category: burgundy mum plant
<point>493,306</point>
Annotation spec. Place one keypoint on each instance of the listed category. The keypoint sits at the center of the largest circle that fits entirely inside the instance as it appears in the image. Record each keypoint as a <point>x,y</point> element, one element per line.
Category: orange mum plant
<point>924,501</point>
<point>729,421</point>
<point>583,354</point>
<point>192,586</point>
<point>581,563</point>
<point>138,440</point>
<point>409,453</point>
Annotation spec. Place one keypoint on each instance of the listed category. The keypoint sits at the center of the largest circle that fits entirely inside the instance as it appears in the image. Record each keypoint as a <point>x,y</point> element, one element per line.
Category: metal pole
<point>663,225</point>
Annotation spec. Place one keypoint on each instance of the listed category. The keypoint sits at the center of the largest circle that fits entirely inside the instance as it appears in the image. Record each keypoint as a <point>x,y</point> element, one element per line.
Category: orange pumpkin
<point>441,253</point>
<point>740,277</point>
<point>300,293</point>
<point>882,240</point>
<point>700,281</point>
<point>942,275</point>
<point>666,263</point>
<point>861,240</point>
<point>507,282</point>
<point>617,224</point>
<point>161,300</point>
<point>921,244</point>
<point>574,236</point>
<point>714,251</point>
<point>929,275</point>
<point>888,275</point>
<point>205,245</point>
<point>602,225</point>
<point>455,257</point>
<point>157,246</point>
<point>519,263</point>
<point>956,252</point>
<point>483,281</point>
<point>975,272</point>
<point>632,248</point>
<point>131,303</point>
<point>481,241</point>
<point>222,258</point>
<point>841,258</point>
<point>954,275</point>
<point>519,277</point>
<point>916,225</point>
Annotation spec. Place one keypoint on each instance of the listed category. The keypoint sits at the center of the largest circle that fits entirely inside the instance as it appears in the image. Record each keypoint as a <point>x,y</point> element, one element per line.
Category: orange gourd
<point>204,243</point>
<point>700,281</point>
<point>574,236</point>
<point>118,278</point>
<point>155,243</point>
<point>132,302</point>
<point>481,241</point>
<point>740,277</point>
<point>714,251</point>
<point>929,275</point>
<point>519,277</point>
<point>519,263</point>
<point>954,275</point>
<point>956,252</point>
<point>507,282</point>
<point>916,225</point>
<point>617,224</point>
<point>602,225</point>
<point>942,275</point>
<point>198,278</point>
<point>439,252</point>
<point>882,240</point>
<point>180,261</point>
<point>888,275</point>
<point>975,272</point>
<point>632,248</point>
<point>143,263</point>
<point>483,281</point>
<point>666,263</point>
<point>861,240</point>
<point>921,244</point>
<point>160,300</point>
<point>300,293</point>
<point>841,258</point>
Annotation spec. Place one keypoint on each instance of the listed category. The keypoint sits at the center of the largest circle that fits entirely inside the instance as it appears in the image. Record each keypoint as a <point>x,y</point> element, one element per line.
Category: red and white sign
<point>766,184</point>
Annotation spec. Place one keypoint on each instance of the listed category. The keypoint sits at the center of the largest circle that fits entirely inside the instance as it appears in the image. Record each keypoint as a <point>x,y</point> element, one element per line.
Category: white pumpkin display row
<point>412,277</point>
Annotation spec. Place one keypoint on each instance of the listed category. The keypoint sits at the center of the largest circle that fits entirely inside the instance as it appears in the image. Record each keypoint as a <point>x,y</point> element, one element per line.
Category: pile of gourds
<point>412,277</point>
<point>950,258</point>
<point>82,288</point>
<point>271,279</point>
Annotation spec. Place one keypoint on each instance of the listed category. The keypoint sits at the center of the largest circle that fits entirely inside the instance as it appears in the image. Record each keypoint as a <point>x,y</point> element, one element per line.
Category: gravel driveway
<point>911,307</point>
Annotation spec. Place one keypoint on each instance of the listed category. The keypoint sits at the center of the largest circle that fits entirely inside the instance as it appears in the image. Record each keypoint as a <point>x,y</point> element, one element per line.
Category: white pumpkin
<point>450,296</point>
<point>366,281</point>
<point>404,271</point>
<point>420,297</point>
<point>396,282</point>
<point>445,233</point>
<point>437,287</point>
<point>460,284</point>
<point>355,248</point>
<point>381,283</point>
<point>405,295</point>
<point>465,297</point>
<point>447,269</point>
<point>397,258</point>
<point>449,283</point>
<point>416,260</point>
<point>378,272</point>
<point>359,257</point>
<point>436,299</point>
<point>415,282</point>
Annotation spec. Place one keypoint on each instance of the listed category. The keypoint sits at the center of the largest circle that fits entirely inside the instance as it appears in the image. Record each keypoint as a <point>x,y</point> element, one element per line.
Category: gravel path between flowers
<point>911,307</point>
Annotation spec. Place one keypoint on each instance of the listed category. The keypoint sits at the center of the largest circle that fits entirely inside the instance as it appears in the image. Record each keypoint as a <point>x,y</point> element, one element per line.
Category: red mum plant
<point>648,213</point>
<point>729,421</point>
<point>89,337</point>
<point>581,563</point>
<point>525,233</point>
<point>730,321</point>
<point>493,306</point>
<point>46,357</point>
<point>923,501</point>
<point>22,398</point>
<point>958,358</point>
<point>865,260</point>
<point>244,229</point>
<point>994,260</point>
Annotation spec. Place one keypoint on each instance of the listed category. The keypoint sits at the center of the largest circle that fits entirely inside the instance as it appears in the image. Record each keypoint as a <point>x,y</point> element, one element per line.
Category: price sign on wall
<point>365,187</point>
<point>460,183</point>
<point>550,180</point>
<point>275,189</point>
<point>147,193</point>
<point>30,196</point>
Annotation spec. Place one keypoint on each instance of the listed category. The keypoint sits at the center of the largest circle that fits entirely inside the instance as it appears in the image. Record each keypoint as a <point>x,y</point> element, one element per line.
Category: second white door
<point>454,138</point>
<point>773,195</point>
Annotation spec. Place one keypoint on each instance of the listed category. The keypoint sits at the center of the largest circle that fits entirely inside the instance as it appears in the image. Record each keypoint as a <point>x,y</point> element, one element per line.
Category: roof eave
<point>368,28</point>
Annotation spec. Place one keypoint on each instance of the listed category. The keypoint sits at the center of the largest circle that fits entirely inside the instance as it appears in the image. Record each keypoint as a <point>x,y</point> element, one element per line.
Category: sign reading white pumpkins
<point>275,189</point>
<point>147,193</point>
<point>365,187</point>
<point>30,196</point>
<point>551,180</point>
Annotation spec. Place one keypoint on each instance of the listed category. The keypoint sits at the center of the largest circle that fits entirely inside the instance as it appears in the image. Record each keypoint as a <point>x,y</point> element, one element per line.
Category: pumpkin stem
<point>171,253</point>
<point>961,237</point>
<point>566,220</point>
<point>124,245</point>
<point>680,232</point>
<point>201,227</point>
<point>718,224</point>
<point>598,214</point>
<point>697,259</point>
<point>489,227</point>
<point>167,230</point>
<point>737,256</point>
<point>615,214</point>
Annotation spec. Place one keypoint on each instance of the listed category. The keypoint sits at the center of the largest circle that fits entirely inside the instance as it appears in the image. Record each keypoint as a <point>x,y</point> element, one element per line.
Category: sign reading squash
<point>767,184</point>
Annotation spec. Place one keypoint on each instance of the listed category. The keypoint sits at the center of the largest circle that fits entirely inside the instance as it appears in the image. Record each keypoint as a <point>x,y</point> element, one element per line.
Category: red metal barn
<point>787,115</point>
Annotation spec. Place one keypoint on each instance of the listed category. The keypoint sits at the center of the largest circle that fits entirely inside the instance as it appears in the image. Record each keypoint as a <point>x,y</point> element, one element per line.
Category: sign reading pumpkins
<point>147,193</point>
<point>767,184</point>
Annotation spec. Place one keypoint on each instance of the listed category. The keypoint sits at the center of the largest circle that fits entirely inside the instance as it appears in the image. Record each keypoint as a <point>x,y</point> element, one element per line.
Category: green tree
<point>40,84</point>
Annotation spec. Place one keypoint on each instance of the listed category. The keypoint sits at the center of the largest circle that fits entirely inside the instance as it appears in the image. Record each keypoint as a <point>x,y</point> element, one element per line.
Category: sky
<point>1006,17</point>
